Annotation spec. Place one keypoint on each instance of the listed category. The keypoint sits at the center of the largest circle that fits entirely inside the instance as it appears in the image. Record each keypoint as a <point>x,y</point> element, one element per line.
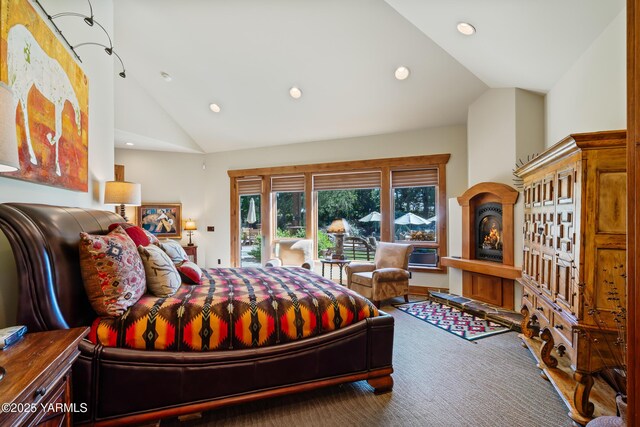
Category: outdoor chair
<point>293,253</point>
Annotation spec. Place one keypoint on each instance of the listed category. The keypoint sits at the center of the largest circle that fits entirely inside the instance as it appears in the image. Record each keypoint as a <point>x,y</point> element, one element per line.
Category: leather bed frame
<point>135,386</point>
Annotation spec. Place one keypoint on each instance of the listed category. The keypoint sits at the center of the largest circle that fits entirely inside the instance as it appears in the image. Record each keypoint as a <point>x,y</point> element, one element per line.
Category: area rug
<point>459,323</point>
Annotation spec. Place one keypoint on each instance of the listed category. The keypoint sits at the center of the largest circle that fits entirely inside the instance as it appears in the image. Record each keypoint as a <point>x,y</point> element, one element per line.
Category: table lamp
<point>339,227</point>
<point>189,227</point>
<point>122,193</point>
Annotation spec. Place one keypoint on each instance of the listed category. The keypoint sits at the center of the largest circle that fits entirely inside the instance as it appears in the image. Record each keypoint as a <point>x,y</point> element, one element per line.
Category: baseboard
<point>424,290</point>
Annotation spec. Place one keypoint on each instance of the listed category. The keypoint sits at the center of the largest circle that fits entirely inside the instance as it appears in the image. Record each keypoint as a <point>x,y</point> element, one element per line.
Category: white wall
<point>100,71</point>
<point>427,141</point>
<point>591,96</point>
<point>170,178</point>
<point>503,125</point>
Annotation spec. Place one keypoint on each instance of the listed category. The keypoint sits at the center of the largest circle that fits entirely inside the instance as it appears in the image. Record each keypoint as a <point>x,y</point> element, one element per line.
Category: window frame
<point>385,166</point>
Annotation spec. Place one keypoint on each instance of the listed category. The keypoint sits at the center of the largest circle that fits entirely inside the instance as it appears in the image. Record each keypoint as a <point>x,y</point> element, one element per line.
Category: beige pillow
<point>112,271</point>
<point>163,279</point>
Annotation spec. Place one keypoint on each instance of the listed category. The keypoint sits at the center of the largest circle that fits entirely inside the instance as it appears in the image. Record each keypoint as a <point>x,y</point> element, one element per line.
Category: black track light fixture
<point>90,21</point>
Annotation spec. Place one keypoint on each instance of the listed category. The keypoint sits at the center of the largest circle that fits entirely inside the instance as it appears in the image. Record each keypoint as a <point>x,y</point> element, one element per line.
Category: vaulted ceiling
<point>245,55</point>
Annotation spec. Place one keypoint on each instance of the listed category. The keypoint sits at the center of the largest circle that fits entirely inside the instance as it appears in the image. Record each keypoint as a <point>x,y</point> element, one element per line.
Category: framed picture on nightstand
<point>161,219</point>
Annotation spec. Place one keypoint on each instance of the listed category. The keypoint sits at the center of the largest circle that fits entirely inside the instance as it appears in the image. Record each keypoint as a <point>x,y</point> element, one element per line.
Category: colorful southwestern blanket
<point>235,308</point>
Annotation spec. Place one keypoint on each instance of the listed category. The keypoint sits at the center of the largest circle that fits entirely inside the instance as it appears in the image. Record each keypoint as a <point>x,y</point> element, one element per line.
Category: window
<point>349,197</point>
<point>397,199</point>
<point>415,206</point>
<point>250,223</point>
<point>289,206</point>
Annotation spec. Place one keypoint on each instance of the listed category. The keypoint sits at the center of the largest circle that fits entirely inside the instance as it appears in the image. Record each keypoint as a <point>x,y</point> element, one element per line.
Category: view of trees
<point>348,204</point>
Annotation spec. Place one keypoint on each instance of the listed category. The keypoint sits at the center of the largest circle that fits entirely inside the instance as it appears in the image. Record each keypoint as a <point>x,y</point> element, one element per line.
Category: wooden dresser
<point>574,242</point>
<point>36,390</point>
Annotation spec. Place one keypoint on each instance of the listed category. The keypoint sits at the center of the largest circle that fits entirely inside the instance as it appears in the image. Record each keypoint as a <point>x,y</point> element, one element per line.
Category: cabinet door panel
<point>566,181</point>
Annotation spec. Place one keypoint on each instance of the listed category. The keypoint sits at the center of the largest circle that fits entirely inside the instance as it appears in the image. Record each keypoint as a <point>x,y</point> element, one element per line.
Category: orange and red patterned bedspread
<point>235,308</point>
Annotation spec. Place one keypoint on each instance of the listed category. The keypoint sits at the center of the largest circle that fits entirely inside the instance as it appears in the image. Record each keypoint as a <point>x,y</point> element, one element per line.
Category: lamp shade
<point>9,160</point>
<point>339,226</point>
<point>190,225</point>
<point>122,193</point>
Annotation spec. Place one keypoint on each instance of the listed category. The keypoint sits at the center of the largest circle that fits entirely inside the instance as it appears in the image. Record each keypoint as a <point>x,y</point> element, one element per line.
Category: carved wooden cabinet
<point>573,244</point>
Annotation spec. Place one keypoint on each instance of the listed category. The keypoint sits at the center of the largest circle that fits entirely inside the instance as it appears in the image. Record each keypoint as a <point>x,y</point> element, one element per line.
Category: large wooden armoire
<point>573,260</point>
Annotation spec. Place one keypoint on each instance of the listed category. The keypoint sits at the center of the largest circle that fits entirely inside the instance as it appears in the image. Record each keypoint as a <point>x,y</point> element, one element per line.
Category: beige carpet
<point>440,380</point>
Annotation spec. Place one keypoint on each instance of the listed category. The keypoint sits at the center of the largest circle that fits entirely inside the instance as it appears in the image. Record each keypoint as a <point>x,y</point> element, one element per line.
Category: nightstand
<point>37,385</point>
<point>192,253</point>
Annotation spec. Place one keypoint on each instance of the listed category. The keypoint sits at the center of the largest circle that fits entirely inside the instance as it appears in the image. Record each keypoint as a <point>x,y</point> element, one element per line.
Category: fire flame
<point>492,240</point>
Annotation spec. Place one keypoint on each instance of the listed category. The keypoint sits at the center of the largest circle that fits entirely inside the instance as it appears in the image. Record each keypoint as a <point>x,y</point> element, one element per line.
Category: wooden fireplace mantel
<point>483,267</point>
<point>487,281</point>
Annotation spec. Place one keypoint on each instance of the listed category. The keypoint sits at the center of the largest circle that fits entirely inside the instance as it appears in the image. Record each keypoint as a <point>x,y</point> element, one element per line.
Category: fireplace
<point>487,257</point>
<point>488,228</point>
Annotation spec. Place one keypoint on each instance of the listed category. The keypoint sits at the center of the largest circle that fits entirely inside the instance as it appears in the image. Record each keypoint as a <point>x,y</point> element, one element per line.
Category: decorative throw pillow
<point>190,273</point>
<point>163,280</point>
<point>136,233</point>
<point>152,238</point>
<point>112,271</point>
<point>174,250</point>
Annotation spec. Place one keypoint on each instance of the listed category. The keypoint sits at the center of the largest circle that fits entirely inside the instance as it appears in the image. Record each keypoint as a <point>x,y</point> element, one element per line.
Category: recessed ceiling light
<point>402,73</point>
<point>166,76</point>
<point>129,143</point>
<point>466,28</point>
<point>295,92</point>
<point>214,107</point>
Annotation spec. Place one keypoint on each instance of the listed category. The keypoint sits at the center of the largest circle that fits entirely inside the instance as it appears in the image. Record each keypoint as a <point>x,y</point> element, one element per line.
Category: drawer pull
<point>540,308</point>
<point>559,327</point>
<point>40,392</point>
<point>526,295</point>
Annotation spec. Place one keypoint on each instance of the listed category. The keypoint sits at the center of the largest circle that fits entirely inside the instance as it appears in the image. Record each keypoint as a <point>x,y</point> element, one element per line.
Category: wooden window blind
<point>280,184</point>
<point>346,181</point>
<point>249,186</point>
<point>414,178</point>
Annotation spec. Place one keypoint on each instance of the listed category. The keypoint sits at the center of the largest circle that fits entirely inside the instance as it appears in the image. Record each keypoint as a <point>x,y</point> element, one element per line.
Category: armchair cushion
<point>363,278</point>
<point>390,275</point>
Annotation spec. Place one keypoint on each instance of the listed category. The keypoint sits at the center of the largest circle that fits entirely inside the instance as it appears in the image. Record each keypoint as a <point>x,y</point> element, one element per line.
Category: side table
<point>36,389</point>
<point>192,253</point>
<point>333,262</point>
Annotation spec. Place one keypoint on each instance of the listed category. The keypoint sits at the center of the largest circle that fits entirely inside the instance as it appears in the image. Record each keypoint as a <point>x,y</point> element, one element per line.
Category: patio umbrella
<point>413,219</point>
<point>251,216</point>
<point>372,217</point>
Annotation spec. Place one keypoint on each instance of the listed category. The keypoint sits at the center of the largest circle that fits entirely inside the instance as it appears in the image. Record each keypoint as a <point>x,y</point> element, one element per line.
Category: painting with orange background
<point>51,98</point>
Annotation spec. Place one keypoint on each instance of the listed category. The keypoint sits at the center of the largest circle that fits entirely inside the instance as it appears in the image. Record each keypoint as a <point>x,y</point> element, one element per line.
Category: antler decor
<point>517,181</point>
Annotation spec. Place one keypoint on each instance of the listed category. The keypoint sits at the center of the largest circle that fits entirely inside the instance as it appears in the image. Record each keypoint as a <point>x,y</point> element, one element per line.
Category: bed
<point>120,384</point>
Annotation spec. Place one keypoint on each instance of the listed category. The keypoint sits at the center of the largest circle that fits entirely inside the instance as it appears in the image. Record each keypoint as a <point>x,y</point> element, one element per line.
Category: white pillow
<point>174,250</point>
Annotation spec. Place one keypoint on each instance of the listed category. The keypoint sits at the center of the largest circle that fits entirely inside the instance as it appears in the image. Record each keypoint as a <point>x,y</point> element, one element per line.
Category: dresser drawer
<point>563,328</point>
<point>529,299</point>
<point>543,311</point>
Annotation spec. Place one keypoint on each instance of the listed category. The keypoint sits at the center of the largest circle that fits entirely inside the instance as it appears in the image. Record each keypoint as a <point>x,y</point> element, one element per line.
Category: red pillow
<point>136,233</point>
<point>190,273</point>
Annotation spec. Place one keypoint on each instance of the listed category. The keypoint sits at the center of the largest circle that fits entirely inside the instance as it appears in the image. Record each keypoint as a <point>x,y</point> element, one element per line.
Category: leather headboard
<point>45,242</point>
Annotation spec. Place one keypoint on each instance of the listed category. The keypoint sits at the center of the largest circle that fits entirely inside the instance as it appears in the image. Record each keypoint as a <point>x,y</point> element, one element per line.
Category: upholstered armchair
<point>293,253</point>
<point>387,277</point>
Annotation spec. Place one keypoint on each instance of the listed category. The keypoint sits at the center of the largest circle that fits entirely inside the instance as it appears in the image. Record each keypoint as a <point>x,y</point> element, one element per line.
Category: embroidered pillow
<point>163,280</point>
<point>190,273</point>
<point>152,238</point>
<point>136,233</point>
<point>174,250</point>
<point>112,271</point>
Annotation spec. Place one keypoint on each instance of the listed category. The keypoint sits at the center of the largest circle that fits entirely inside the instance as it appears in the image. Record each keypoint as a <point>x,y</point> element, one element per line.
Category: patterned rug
<point>452,320</point>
